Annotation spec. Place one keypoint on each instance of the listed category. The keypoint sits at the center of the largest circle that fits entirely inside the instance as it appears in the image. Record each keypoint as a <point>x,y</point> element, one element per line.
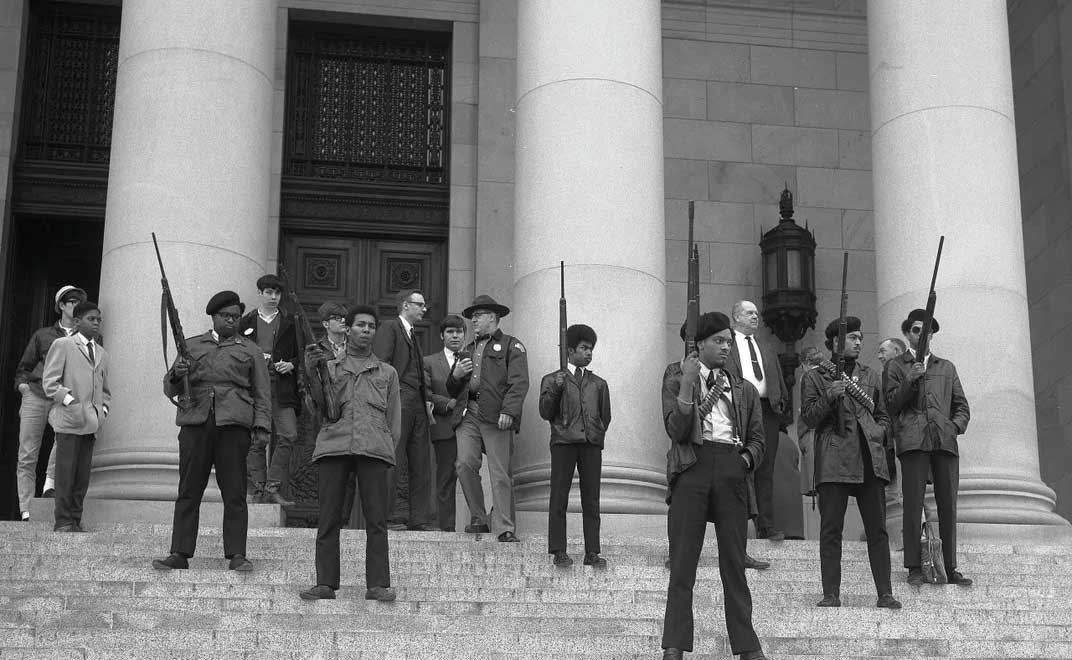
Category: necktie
<point>757,369</point>
<point>89,349</point>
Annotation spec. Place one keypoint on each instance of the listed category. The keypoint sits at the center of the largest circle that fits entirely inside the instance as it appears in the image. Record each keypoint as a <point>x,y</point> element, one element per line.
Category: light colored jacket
<point>68,370</point>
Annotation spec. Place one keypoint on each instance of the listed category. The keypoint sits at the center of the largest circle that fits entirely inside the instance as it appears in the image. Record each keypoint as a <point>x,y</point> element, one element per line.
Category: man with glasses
<point>230,398</point>
<point>33,412</point>
<point>397,344</point>
<point>929,410</point>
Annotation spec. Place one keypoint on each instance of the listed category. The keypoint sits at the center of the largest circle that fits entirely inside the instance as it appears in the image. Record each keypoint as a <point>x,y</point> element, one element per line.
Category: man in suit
<point>716,438</point>
<point>758,364</point>
<point>274,333</point>
<point>396,344</point>
<point>447,412</point>
<point>75,377</point>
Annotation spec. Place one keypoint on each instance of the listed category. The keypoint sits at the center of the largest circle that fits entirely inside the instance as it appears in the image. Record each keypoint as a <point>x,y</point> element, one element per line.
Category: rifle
<point>562,342</point>
<point>843,322</point>
<point>923,345</point>
<point>169,315</point>
<point>692,306</point>
<point>306,339</point>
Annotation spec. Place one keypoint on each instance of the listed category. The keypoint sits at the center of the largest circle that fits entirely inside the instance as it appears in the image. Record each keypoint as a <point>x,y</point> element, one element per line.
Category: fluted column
<point>589,191</point>
<point>190,160</point>
<point>944,160</point>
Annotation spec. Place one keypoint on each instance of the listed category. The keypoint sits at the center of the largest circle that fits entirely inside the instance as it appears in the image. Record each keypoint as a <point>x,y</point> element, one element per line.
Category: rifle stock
<point>305,339</point>
<point>692,308</point>
<point>169,315</point>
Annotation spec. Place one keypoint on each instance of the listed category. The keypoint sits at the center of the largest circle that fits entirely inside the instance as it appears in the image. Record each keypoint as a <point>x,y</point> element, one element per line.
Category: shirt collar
<point>407,325</point>
<point>81,339</point>
<point>572,368</point>
<point>215,336</point>
<point>449,354</point>
<point>269,318</point>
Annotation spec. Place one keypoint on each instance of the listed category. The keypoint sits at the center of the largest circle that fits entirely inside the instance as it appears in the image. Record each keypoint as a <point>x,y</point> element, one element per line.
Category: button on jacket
<point>946,409</point>
<point>579,411</point>
<point>504,379</point>
<point>230,377</point>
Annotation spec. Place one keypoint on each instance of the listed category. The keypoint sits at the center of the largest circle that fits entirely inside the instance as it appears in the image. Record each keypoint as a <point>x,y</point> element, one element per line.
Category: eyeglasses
<point>916,330</point>
<point>227,316</point>
<point>340,319</point>
<point>418,303</point>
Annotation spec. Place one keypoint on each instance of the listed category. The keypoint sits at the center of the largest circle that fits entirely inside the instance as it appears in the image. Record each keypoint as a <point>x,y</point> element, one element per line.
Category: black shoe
<point>49,494</point>
<point>276,498</point>
<point>915,577</point>
<point>382,594</point>
<point>66,528</point>
<point>829,600</point>
<point>319,592</point>
<point>78,528</point>
<point>396,526</point>
<point>770,534</point>
<point>593,559</point>
<point>888,601</point>
<point>508,537</point>
<point>426,527</point>
<point>755,564</point>
<point>562,560</point>
<point>673,654</point>
<point>667,563</point>
<point>172,561</point>
<point>753,655</point>
<point>240,563</point>
<point>956,578</point>
<point>477,529</point>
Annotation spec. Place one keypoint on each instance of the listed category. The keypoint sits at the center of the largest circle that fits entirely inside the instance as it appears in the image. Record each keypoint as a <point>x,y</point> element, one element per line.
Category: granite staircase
<point>94,596</point>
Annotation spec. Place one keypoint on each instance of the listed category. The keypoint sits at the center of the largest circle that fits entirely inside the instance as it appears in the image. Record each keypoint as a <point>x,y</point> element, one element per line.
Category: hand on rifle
<point>181,368</point>
<point>463,368</point>
<point>837,389</point>
<point>916,371</point>
<point>314,355</point>
<point>690,367</point>
<point>560,379</point>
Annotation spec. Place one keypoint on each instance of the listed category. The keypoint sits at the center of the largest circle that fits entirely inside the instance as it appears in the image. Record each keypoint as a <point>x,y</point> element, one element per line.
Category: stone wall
<point>1040,34</point>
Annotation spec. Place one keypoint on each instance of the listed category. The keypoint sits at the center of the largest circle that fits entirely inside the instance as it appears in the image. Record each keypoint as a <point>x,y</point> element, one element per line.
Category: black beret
<point>711,323</point>
<point>269,281</point>
<point>221,300</point>
<point>852,324</point>
<point>918,315</point>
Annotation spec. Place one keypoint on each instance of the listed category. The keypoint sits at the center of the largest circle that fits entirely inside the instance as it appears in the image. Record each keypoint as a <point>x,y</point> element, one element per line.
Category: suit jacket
<point>68,370</point>
<point>285,348</point>
<point>393,345</point>
<point>436,372</point>
<point>772,372</point>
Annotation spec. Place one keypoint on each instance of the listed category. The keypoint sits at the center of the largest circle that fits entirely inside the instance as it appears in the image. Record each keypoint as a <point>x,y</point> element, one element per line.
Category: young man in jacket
<point>447,413</point>
<point>229,399</point>
<point>929,410</point>
<point>577,404</point>
<point>850,421</point>
<point>360,443</point>
<point>75,377</point>
<point>715,424</point>
<point>33,411</point>
<point>495,372</point>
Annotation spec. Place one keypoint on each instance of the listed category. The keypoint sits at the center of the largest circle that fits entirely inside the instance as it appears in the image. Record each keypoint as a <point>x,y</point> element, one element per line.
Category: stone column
<point>191,156</point>
<point>589,191</point>
<point>944,162</point>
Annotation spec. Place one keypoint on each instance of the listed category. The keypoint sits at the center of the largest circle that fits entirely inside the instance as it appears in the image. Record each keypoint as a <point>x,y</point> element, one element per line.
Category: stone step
<point>354,654</point>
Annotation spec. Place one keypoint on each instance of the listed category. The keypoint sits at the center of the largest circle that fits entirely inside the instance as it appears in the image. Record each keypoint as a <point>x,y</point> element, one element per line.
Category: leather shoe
<point>78,527</point>
<point>319,592</point>
<point>426,527</point>
<point>668,563</point>
<point>562,560</point>
<point>915,577</point>
<point>508,537</point>
<point>382,594</point>
<point>66,528</point>
<point>956,578</point>
<point>477,529</point>
<point>276,498</point>
<point>771,535</point>
<point>753,655</point>
<point>172,561</point>
<point>829,600</point>
<point>593,559</point>
<point>888,601</point>
<point>756,564</point>
<point>240,563</point>
<point>396,527</point>
<point>49,493</point>
<point>673,654</point>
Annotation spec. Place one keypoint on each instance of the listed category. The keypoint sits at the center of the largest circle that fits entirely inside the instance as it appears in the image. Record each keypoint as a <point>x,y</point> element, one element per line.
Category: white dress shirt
<point>747,370</point>
<point>717,426</point>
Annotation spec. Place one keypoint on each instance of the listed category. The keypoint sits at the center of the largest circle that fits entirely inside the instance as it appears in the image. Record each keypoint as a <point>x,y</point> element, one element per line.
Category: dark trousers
<point>200,448</point>
<point>412,450</point>
<point>333,473</point>
<point>446,453</point>
<point>944,468</point>
<point>764,474</point>
<point>714,489</point>
<point>587,460</point>
<point>871,500</point>
<point>74,460</point>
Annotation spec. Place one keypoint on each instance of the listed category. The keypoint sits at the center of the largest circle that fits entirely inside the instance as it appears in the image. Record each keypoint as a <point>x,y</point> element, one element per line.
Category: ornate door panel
<point>398,265</point>
<point>324,269</point>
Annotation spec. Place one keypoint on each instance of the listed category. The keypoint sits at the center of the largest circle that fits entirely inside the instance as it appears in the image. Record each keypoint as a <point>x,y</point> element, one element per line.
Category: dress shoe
<point>396,526</point>
<point>319,592</point>
<point>382,594</point>
<point>593,559</point>
<point>753,655</point>
<point>829,600</point>
<point>756,564</point>
<point>66,528</point>
<point>915,577</point>
<point>673,654</point>
<point>49,493</point>
<point>771,534</point>
<point>888,601</point>
<point>477,529</point>
<point>667,564</point>
<point>172,561</point>
<point>240,563</point>
<point>508,537</point>
<point>426,527</point>
<point>78,527</point>
<point>956,578</point>
<point>562,560</point>
<point>276,498</point>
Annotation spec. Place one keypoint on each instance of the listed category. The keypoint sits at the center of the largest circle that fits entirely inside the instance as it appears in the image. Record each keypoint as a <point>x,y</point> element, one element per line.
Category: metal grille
<point>367,105</point>
<point>72,59</point>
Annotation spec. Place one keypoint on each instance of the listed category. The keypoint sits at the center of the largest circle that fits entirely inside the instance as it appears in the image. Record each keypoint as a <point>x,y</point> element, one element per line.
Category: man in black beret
<point>928,410</point>
<point>715,424</point>
<point>850,421</point>
<point>229,398</point>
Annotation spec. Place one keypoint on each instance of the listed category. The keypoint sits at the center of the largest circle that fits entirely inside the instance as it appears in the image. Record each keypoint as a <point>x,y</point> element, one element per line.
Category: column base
<point>1009,534</point>
<point>98,511</point>
<point>623,489</point>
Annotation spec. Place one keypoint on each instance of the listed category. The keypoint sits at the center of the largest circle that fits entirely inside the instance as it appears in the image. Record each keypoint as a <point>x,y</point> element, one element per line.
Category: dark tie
<point>756,368</point>
<point>89,349</point>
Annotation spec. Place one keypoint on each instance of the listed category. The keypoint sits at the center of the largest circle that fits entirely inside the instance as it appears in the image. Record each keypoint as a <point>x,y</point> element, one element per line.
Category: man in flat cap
<point>715,424</point>
<point>229,398</point>
<point>494,371</point>
<point>850,421</point>
<point>274,333</point>
<point>928,410</point>
<point>33,411</point>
